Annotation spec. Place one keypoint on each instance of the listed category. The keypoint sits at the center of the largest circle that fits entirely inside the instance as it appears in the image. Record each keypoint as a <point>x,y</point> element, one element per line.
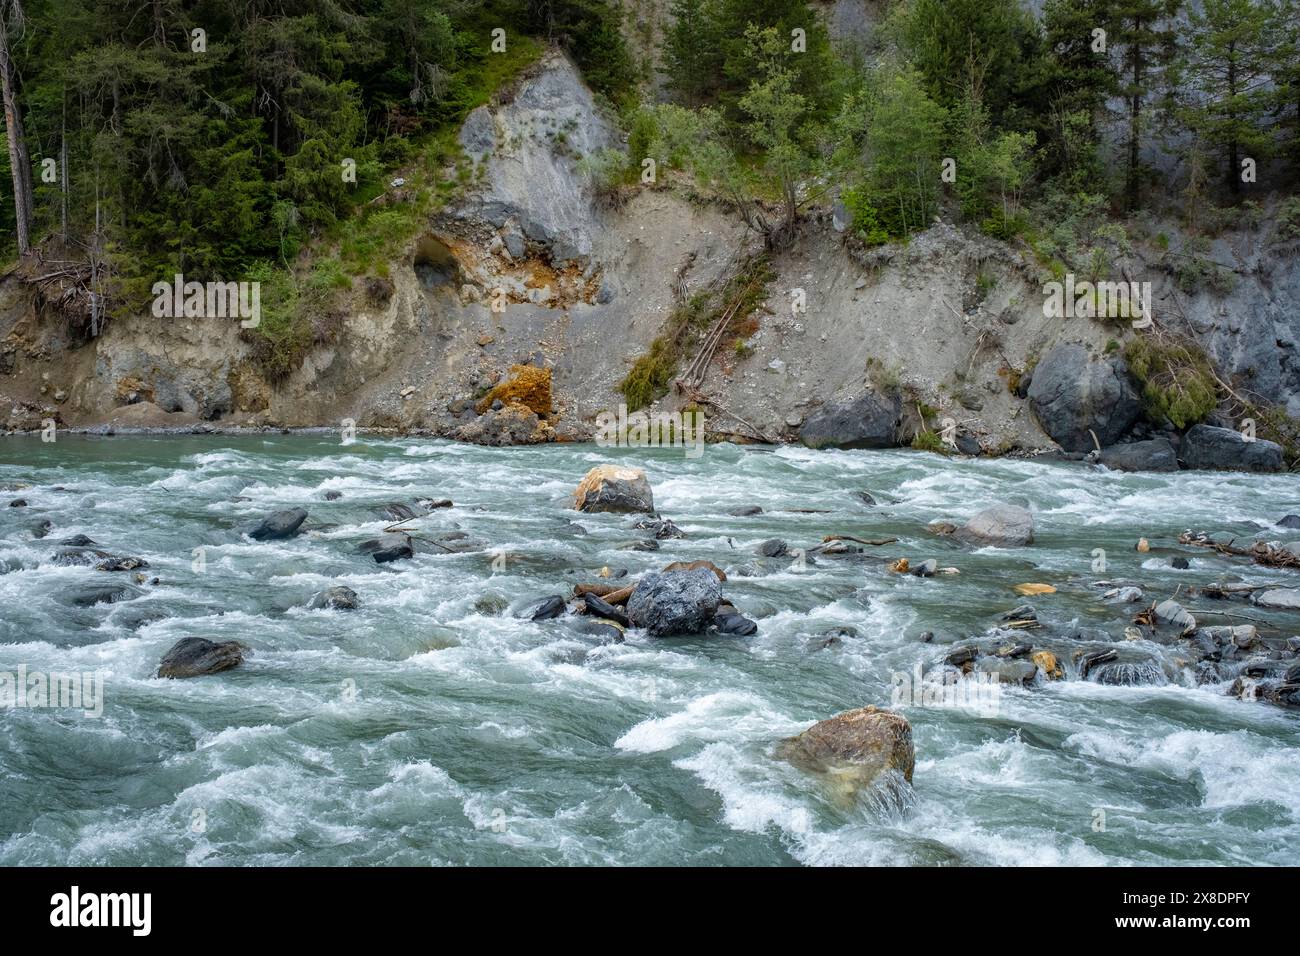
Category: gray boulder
<point>390,546</point>
<point>675,602</point>
<point>1004,526</point>
<point>196,656</point>
<point>614,488</point>
<point>98,592</point>
<point>1157,454</point>
<point>1073,395</point>
<point>1223,449</point>
<point>279,525</point>
<point>870,421</point>
<point>1287,599</point>
<point>337,598</point>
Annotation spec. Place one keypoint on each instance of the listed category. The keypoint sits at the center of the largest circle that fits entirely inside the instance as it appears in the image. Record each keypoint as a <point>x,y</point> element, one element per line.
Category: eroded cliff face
<point>531,266</point>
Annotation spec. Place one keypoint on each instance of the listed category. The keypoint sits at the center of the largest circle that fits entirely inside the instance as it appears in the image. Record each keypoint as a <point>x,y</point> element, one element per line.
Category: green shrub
<point>1176,377</point>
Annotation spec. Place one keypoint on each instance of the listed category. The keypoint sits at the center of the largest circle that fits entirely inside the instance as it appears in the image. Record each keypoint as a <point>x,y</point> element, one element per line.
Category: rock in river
<point>196,656</point>
<point>1157,454</point>
<point>613,488</point>
<point>1282,598</point>
<point>279,525</point>
<point>854,748</point>
<point>390,546</point>
<point>337,598</point>
<point>1003,526</point>
<point>675,602</point>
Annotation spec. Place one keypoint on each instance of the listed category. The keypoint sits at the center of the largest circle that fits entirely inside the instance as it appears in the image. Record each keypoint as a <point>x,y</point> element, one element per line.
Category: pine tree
<point>1228,96</point>
<point>691,54</point>
<point>1144,29</point>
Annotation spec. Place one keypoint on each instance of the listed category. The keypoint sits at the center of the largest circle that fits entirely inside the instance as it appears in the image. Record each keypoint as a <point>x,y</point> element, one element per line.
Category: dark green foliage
<point>208,161</point>
<point>1176,378</point>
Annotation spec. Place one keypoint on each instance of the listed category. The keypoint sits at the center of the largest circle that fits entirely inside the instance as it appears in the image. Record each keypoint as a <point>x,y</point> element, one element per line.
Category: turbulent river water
<point>433,726</point>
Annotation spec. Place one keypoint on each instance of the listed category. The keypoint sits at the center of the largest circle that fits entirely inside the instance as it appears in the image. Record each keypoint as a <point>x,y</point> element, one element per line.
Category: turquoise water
<point>432,726</point>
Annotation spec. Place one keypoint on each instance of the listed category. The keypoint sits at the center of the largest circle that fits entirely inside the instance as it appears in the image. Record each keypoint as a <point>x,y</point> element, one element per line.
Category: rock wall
<point>952,321</point>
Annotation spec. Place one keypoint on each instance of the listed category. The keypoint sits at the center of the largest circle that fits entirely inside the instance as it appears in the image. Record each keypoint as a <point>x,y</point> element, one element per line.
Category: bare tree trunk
<point>16,141</point>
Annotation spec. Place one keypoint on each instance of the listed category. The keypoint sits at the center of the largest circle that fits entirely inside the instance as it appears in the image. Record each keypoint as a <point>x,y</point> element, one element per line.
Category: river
<point>432,726</point>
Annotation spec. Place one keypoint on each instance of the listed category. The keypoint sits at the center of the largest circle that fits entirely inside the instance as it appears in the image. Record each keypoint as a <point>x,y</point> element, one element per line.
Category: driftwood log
<point>1262,552</point>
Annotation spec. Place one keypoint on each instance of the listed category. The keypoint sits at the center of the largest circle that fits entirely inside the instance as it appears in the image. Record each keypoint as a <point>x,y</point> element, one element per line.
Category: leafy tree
<point>897,130</point>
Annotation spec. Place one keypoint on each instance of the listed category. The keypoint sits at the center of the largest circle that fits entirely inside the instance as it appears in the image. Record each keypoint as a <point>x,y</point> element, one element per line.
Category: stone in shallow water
<point>1281,598</point>
<point>675,602</point>
<point>390,546</point>
<point>279,525</point>
<point>337,598</point>
<point>197,656</point>
<point>853,750</point>
<point>1003,526</point>
<point>613,488</point>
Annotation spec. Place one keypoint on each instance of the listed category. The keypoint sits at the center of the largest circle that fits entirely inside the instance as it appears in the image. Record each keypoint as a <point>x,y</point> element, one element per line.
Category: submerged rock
<point>854,749</point>
<point>337,598</point>
<point>614,488</point>
<point>549,607</point>
<point>108,591</point>
<point>196,656</point>
<point>1003,526</point>
<point>772,548</point>
<point>1127,673</point>
<point>396,511</point>
<point>279,525</point>
<point>390,546</point>
<point>675,602</point>
<point>737,624</point>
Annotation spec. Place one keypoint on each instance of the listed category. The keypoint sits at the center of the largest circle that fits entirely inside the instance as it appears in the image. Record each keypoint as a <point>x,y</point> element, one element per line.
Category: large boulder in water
<point>337,598</point>
<point>1222,449</point>
<point>870,421</point>
<point>1157,454</point>
<point>675,602</point>
<point>389,546</point>
<point>614,488</point>
<point>854,748</point>
<point>196,656</point>
<point>1075,396</point>
<point>279,525</point>
<point>1003,526</point>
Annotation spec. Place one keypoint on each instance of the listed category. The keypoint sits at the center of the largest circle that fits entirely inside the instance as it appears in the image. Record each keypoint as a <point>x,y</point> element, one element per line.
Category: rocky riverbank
<point>531,275</point>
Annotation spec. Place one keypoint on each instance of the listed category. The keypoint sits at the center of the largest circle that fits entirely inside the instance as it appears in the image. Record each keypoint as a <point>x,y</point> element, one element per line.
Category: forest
<point>230,139</point>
